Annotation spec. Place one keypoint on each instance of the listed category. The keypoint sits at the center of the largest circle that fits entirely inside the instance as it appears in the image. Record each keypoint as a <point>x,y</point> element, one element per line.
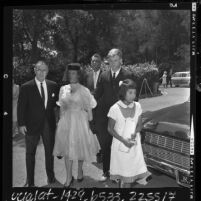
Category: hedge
<point>145,71</point>
<point>139,71</point>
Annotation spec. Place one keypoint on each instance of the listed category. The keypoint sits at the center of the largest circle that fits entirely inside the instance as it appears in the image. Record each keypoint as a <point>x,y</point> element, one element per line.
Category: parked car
<point>181,79</point>
<point>166,141</point>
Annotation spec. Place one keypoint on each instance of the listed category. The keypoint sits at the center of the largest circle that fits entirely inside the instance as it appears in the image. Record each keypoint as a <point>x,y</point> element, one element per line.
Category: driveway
<point>92,172</point>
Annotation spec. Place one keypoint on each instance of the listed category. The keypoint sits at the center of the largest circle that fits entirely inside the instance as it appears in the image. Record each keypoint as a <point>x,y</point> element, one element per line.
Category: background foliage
<point>146,37</point>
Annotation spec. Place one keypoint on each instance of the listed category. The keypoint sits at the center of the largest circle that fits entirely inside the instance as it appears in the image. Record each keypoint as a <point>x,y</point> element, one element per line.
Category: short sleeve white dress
<point>128,165</point>
<point>164,79</point>
<point>74,139</point>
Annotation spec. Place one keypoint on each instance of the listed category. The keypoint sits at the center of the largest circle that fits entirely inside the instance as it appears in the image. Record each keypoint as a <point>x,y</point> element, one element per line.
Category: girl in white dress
<point>127,161</point>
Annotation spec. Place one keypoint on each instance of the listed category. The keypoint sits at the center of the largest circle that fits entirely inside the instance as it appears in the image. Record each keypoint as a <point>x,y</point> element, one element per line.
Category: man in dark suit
<point>106,95</point>
<point>36,117</point>
<point>91,79</point>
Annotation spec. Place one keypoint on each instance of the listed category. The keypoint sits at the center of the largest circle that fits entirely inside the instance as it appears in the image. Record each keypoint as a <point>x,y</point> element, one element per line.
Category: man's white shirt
<point>38,83</point>
<point>95,77</point>
<point>116,73</point>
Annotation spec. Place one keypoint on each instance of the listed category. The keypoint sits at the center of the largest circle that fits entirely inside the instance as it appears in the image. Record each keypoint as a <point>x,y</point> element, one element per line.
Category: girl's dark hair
<point>127,84</point>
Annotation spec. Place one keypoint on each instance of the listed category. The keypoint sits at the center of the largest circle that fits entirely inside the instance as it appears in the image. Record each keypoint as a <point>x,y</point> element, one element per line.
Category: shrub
<point>144,71</point>
<point>140,72</point>
<point>22,74</point>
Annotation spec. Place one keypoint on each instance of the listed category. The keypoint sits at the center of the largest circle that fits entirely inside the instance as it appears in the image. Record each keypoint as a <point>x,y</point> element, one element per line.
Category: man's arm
<point>84,82</point>
<point>21,109</point>
<point>57,108</point>
<point>21,106</point>
<point>56,93</point>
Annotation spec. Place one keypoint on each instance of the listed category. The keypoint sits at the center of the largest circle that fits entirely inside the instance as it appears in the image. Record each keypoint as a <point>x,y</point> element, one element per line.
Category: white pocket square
<point>53,95</point>
<point>120,83</point>
<point>58,103</point>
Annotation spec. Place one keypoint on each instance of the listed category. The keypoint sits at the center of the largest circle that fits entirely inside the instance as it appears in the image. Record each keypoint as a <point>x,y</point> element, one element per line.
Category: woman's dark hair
<point>73,66</point>
<point>125,86</point>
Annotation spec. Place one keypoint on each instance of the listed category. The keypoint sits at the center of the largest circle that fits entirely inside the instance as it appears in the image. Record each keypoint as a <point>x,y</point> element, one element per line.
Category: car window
<point>177,75</point>
<point>181,75</point>
<point>184,75</point>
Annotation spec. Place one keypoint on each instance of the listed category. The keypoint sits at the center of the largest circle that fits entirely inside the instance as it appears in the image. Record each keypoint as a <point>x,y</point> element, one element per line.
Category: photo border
<point>163,193</point>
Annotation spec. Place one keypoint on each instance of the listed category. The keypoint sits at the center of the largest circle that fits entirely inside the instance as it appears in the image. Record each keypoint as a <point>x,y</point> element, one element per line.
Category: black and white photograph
<point>102,98</point>
<point>79,77</point>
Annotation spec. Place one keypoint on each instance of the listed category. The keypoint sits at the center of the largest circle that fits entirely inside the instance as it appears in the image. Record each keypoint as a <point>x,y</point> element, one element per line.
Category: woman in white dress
<point>74,139</point>
<point>127,161</point>
<point>164,79</point>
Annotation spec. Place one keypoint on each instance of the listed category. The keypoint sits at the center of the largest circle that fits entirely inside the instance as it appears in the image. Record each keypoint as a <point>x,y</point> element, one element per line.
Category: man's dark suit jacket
<point>31,110</point>
<point>89,80</point>
<point>89,83</point>
<point>107,92</point>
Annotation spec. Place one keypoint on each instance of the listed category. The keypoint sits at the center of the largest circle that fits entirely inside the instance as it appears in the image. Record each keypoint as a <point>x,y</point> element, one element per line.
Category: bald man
<point>36,118</point>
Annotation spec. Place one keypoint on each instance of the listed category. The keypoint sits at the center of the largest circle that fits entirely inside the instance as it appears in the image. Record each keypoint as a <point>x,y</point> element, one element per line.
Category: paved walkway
<point>92,172</point>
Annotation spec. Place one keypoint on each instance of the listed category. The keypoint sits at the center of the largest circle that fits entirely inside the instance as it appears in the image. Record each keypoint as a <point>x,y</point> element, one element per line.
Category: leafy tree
<point>64,36</point>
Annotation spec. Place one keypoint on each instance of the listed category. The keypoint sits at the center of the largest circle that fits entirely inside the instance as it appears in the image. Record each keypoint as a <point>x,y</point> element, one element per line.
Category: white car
<point>181,79</point>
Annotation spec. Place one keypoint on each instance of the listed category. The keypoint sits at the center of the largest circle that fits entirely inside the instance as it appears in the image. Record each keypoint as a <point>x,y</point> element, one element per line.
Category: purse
<point>127,134</point>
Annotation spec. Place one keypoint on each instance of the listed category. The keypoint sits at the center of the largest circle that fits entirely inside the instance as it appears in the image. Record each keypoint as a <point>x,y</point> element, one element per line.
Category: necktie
<point>42,92</point>
<point>113,77</point>
<point>95,79</point>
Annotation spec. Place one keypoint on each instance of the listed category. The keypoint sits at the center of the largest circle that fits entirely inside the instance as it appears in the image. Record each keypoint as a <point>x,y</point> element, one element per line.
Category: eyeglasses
<point>95,61</point>
<point>42,71</point>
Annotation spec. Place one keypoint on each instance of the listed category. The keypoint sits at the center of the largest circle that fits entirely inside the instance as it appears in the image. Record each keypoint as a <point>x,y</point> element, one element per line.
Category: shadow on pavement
<point>19,140</point>
<point>88,182</point>
<point>98,165</point>
<point>57,184</point>
<point>154,171</point>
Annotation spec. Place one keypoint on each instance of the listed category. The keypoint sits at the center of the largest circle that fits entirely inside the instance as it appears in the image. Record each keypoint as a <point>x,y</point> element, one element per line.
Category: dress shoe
<point>145,180</point>
<point>51,181</point>
<point>116,181</point>
<point>142,182</point>
<point>99,158</point>
<point>149,178</point>
<point>81,179</point>
<point>104,177</point>
<point>71,182</point>
<point>29,185</point>
<point>59,157</point>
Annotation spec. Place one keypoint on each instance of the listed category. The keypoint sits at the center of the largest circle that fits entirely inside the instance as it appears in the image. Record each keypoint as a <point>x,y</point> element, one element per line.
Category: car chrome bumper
<point>171,170</point>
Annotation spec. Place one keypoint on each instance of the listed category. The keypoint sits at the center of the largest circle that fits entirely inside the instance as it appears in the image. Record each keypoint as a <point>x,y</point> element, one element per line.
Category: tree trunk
<point>34,52</point>
<point>75,46</point>
<point>36,30</point>
<point>156,56</point>
<point>75,53</point>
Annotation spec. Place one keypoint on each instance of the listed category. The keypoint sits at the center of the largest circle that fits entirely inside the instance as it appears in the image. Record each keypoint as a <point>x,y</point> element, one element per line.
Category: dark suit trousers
<point>31,146</point>
<point>105,140</point>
